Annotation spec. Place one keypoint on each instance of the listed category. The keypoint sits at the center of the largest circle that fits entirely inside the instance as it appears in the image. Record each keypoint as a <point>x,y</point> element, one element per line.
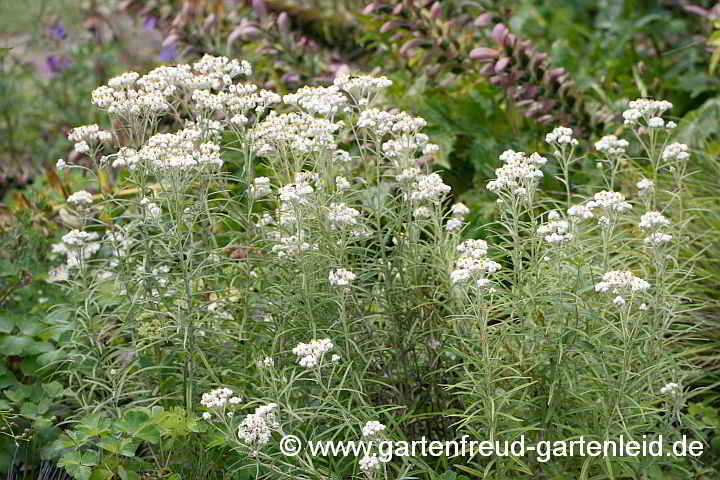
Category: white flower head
<point>372,428</point>
<point>561,136</point>
<point>341,277</point>
<point>459,210</point>
<point>81,197</point>
<point>671,388</point>
<point>310,354</point>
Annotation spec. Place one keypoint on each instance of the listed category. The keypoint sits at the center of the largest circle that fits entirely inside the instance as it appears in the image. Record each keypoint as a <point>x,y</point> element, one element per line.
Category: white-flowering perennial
<point>310,354</point>
<point>292,245</point>
<point>610,203</point>
<point>152,209</point>
<point>652,220</point>
<point>676,152</point>
<point>561,136</point>
<point>646,109</point>
<point>518,174</point>
<point>644,185</point>
<point>372,428</point>
<point>341,183</point>
<point>428,188</point>
<point>656,122</point>
<point>454,224</point>
<point>81,197</point>
<point>369,463</point>
<point>300,133</point>
<point>406,145</point>
<point>340,215</point>
<point>611,145</point>
<point>82,147</point>
<point>90,134</point>
<point>325,101</point>
<point>180,151</point>
<point>257,427</point>
<point>341,277</point>
<point>408,175</point>
<point>218,397</point>
<point>656,239</point>
<point>382,123</point>
<point>619,283</point>
<point>266,362</point>
<point>260,187</point>
<point>473,263</point>
<point>459,210</point>
<point>422,212</point>
<point>671,388</point>
<point>361,87</point>
<point>78,246</point>
<point>130,94</point>
<point>555,231</point>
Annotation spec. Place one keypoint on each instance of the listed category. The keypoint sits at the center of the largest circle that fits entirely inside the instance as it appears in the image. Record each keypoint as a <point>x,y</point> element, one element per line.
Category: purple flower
<point>56,64</point>
<point>57,32</point>
<point>150,23</point>
<point>168,52</point>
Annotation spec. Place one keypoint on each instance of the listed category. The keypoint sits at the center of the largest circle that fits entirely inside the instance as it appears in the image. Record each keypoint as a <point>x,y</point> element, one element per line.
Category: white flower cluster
<point>260,187</point>
<point>561,136</point>
<point>608,201</point>
<point>556,230</point>
<point>671,388</point>
<point>429,188</point>
<point>300,133</point>
<point>292,245</point>
<point>518,174</point>
<point>152,209</point>
<point>644,186</point>
<point>372,429</point>
<point>362,87</point>
<point>342,183</point>
<point>647,109</point>
<point>237,102</point>
<point>341,277</point>
<point>266,362</point>
<point>621,282</point>
<point>369,463</point>
<point>87,135</point>
<point>611,145</point>
<point>382,123</point>
<point>81,197</point>
<point>654,222</point>
<point>405,146</point>
<point>131,94</point>
<point>473,264</point>
<point>340,215</point>
<point>257,427</point>
<point>404,130</point>
<point>172,151</point>
<point>325,101</point>
<point>458,212</point>
<point>78,246</point>
<point>310,354</point>
<point>676,152</point>
<point>219,397</point>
